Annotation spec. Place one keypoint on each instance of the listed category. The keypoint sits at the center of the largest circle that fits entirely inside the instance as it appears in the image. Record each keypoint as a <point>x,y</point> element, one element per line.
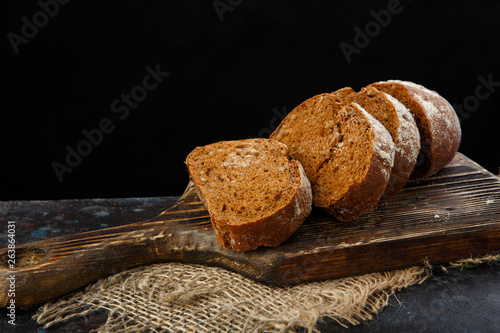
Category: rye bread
<point>398,120</point>
<point>346,153</point>
<point>256,194</point>
<point>438,124</point>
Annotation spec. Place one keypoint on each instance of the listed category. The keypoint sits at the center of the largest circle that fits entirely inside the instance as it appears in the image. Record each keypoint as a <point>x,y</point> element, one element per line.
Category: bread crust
<point>366,194</point>
<point>406,137</point>
<point>269,230</point>
<point>274,229</point>
<point>326,109</point>
<point>407,148</point>
<point>363,196</point>
<point>438,124</point>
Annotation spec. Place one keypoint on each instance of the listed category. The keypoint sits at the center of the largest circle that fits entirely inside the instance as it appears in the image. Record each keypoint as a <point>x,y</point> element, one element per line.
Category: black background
<point>226,78</point>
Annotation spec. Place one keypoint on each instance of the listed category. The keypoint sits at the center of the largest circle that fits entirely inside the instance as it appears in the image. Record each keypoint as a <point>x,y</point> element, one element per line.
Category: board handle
<point>41,271</point>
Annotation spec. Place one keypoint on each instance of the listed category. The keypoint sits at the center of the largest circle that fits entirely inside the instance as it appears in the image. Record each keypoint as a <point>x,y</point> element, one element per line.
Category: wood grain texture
<point>451,215</point>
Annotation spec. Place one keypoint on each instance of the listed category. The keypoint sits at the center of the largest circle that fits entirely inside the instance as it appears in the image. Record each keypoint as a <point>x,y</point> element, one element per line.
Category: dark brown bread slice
<point>256,194</point>
<point>346,153</point>
<point>437,122</point>
<point>399,122</point>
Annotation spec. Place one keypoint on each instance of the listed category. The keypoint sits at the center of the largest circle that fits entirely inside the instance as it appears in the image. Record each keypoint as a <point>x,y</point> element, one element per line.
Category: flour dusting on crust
<point>408,141</point>
<point>384,147</point>
<point>442,116</point>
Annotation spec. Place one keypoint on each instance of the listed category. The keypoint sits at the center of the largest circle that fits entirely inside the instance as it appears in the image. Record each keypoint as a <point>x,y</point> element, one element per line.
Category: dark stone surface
<point>457,300</point>
<point>37,220</point>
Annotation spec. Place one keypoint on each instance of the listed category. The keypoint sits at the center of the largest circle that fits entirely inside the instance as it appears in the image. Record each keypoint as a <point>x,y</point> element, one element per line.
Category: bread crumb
<point>252,182</point>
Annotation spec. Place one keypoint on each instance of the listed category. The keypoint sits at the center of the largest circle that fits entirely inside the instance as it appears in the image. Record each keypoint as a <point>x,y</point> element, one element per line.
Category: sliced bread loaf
<point>399,122</point>
<point>437,122</point>
<point>256,194</point>
<point>347,154</point>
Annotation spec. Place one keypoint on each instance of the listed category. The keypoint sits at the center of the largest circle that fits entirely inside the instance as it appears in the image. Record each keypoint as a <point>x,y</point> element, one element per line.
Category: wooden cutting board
<point>454,214</point>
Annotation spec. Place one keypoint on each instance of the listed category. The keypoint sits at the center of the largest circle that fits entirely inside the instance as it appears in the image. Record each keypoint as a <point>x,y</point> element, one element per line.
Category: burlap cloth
<point>175,297</point>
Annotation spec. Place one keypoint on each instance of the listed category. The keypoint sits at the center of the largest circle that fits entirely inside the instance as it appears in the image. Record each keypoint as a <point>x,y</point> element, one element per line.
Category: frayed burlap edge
<point>175,297</point>
<point>472,262</point>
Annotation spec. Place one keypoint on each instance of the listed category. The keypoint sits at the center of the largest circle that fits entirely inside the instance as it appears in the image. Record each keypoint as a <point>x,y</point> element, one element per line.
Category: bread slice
<point>437,122</point>
<point>346,153</point>
<point>344,94</point>
<point>399,122</point>
<point>256,194</point>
